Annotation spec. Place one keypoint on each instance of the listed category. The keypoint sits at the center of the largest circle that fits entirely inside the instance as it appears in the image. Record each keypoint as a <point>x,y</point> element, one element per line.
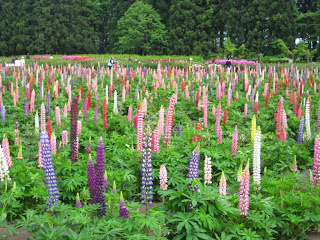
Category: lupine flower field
<point>195,152</point>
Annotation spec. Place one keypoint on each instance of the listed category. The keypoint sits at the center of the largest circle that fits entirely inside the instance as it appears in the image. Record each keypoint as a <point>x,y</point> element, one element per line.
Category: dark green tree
<point>140,31</point>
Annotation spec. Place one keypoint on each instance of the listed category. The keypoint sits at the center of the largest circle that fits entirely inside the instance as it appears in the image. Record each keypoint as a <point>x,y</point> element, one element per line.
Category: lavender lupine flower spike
<point>300,132</point>
<point>3,113</point>
<point>146,170</point>
<point>99,190</point>
<point>78,202</point>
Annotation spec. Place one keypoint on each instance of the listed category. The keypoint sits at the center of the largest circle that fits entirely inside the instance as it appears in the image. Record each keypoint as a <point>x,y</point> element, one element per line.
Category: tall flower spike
<point>279,118</point>
<point>163,177</point>
<point>244,191</point>
<point>318,118</point>
<point>169,120</point>
<point>99,190</point>
<point>207,170</point>
<point>6,150</point>
<point>91,179</point>
<point>40,161</point>
<point>4,168</point>
<point>147,170</point>
<point>300,132</point>
<point>114,187</point>
<point>53,144</point>
<point>307,116</point>
<point>123,212</point>
<point>43,118</point>
<point>73,129</point>
<point>316,161</point>
<point>253,127</point>
<point>3,113</point>
<point>58,117</point>
<point>194,160</point>
<point>115,103</point>
<point>161,121</point>
<point>36,122</point>
<point>256,158</point>
<point>104,114</point>
<point>140,123</point>
<point>64,138</point>
<point>51,181</point>
<point>223,185</point>
<point>234,142</point>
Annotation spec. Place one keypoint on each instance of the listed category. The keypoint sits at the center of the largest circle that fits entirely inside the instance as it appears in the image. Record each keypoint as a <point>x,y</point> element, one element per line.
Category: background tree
<point>140,31</point>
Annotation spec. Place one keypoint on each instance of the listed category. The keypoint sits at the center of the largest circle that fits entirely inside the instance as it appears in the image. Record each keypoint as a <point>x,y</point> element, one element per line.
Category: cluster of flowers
<point>41,57</point>
<point>76,58</point>
<point>241,62</point>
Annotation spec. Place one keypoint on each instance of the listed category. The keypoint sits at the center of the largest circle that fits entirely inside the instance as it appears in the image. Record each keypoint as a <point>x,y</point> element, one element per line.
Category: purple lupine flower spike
<point>147,170</point>
<point>300,132</point>
<point>3,113</point>
<point>26,107</point>
<point>100,199</point>
<point>51,181</point>
<point>178,129</point>
<point>123,211</point>
<point>193,172</point>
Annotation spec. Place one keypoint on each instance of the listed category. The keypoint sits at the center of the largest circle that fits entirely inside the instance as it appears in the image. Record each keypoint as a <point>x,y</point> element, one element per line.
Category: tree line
<point>179,27</point>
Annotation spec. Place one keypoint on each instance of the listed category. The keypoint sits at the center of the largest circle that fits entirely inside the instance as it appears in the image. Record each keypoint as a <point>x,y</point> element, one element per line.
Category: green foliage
<point>140,31</point>
<point>229,47</point>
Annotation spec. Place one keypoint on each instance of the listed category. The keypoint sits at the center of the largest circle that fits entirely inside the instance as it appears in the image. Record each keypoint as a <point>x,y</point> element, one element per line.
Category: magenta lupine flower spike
<point>64,138</point>
<point>78,202</point>
<point>163,177</point>
<point>123,212</point>
<point>58,117</point>
<point>91,179</point>
<point>6,150</point>
<point>278,123</point>
<point>207,170</point>
<point>99,190</point>
<point>318,119</point>
<point>316,160</point>
<point>218,117</point>
<point>223,185</point>
<point>205,107</point>
<point>234,142</point>
<point>244,191</point>
<point>219,135</point>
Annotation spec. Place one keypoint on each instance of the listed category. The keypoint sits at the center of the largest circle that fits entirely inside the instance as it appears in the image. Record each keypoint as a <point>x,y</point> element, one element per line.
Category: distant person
<point>12,60</point>
<point>111,62</point>
<point>228,63</point>
<point>28,56</point>
<point>129,58</point>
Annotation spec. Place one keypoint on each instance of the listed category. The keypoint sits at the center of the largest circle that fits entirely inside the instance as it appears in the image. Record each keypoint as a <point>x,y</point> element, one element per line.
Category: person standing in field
<point>111,62</point>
